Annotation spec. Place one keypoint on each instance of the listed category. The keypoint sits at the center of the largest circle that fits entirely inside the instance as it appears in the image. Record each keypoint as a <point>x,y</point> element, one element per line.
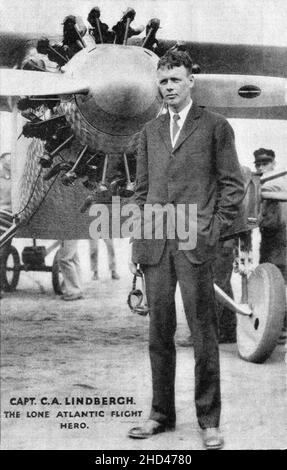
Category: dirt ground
<point>54,351</point>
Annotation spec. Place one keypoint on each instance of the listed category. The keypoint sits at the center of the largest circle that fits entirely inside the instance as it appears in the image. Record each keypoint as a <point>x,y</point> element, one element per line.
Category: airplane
<point>83,99</point>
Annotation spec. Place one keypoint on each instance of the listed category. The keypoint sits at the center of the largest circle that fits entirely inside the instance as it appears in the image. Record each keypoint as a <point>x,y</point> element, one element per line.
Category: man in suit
<point>186,156</point>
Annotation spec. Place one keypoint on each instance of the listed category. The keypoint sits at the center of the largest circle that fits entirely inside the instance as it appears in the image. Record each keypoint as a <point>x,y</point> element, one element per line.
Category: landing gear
<point>33,258</point>
<point>9,268</point>
<point>261,310</point>
<point>257,334</point>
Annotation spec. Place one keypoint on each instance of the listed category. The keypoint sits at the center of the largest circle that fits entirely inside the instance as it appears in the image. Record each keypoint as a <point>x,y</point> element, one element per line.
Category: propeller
<point>25,82</point>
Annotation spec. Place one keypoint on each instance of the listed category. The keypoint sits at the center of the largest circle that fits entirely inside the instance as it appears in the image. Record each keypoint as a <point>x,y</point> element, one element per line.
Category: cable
<point>31,194</point>
<point>33,191</point>
<point>37,208</point>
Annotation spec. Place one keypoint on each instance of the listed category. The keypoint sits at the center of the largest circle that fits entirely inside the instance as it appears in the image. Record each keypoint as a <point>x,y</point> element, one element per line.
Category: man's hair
<point>263,151</point>
<point>175,58</point>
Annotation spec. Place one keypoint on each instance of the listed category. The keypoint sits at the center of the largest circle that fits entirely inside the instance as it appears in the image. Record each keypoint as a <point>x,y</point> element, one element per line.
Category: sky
<point>233,21</point>
<point>245,21</point>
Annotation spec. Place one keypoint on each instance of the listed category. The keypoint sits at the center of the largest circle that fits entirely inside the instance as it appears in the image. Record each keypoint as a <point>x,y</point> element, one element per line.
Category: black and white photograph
<point>143,226</point>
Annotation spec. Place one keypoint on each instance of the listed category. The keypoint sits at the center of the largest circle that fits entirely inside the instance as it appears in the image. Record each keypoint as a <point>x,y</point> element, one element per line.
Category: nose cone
<point>124,81</point>
<point>123,92</point>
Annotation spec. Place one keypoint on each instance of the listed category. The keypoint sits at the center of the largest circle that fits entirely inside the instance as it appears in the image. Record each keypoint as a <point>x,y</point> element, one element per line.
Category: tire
<point>9,268</point>
<point>56,276</point>
<point>257,335</point>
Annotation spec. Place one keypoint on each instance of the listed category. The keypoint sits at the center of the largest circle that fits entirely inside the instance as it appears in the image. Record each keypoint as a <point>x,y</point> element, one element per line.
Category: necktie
<point>175,126</point>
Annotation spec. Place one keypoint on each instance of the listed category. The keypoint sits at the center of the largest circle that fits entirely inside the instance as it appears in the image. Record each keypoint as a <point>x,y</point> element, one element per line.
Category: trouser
<point>69,264</point>
<point>196,285</point>
<point>223,268</point>
<point>94,253</point>
<point>273,249</point>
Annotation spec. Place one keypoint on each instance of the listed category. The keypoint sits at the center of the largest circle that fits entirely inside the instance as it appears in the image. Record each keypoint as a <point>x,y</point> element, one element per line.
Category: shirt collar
<point>183,113</point>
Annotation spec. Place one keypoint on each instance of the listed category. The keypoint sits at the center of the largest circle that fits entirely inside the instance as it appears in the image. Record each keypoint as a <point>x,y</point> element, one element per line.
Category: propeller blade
<point>239,91</point>
<point>30,83</point>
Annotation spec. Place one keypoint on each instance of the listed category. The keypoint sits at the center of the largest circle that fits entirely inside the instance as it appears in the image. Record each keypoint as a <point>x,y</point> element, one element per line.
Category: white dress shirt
<point>182,114</point>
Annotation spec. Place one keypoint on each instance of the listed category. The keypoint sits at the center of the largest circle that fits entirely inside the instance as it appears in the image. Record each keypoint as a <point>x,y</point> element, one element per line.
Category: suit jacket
<point>202,168</point>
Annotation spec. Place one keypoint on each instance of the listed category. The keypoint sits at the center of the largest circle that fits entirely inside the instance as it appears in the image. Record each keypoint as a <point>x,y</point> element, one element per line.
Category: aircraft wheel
<point>257,335</point>
<point>10,268</point>
<point>57,278</point>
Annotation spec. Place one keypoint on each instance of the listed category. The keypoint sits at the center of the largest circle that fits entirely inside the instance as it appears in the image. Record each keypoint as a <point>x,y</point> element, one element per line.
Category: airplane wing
<point>241,59</point>
<point>265,65</point>
<point>224,58</point>
<point>259,61</point>
<point>250,60</point>
<point>242,96</point>
<point>266,112</point>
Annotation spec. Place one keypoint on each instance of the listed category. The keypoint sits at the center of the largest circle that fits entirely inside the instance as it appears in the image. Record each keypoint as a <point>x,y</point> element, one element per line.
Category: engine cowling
<point>122,95</point>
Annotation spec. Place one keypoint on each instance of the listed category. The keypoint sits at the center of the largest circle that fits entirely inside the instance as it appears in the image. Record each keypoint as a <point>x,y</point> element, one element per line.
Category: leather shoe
<point>212,439</point>
<point>148,429</point>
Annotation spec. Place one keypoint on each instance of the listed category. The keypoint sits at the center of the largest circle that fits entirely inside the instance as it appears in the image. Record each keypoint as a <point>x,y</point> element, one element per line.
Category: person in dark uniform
<point>186,156</point>
<point>272,224</point>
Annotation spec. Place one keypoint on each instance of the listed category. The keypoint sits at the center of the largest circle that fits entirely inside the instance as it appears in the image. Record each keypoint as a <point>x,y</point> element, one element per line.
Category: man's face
<point>264,166</point>
<point>174,85</point>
